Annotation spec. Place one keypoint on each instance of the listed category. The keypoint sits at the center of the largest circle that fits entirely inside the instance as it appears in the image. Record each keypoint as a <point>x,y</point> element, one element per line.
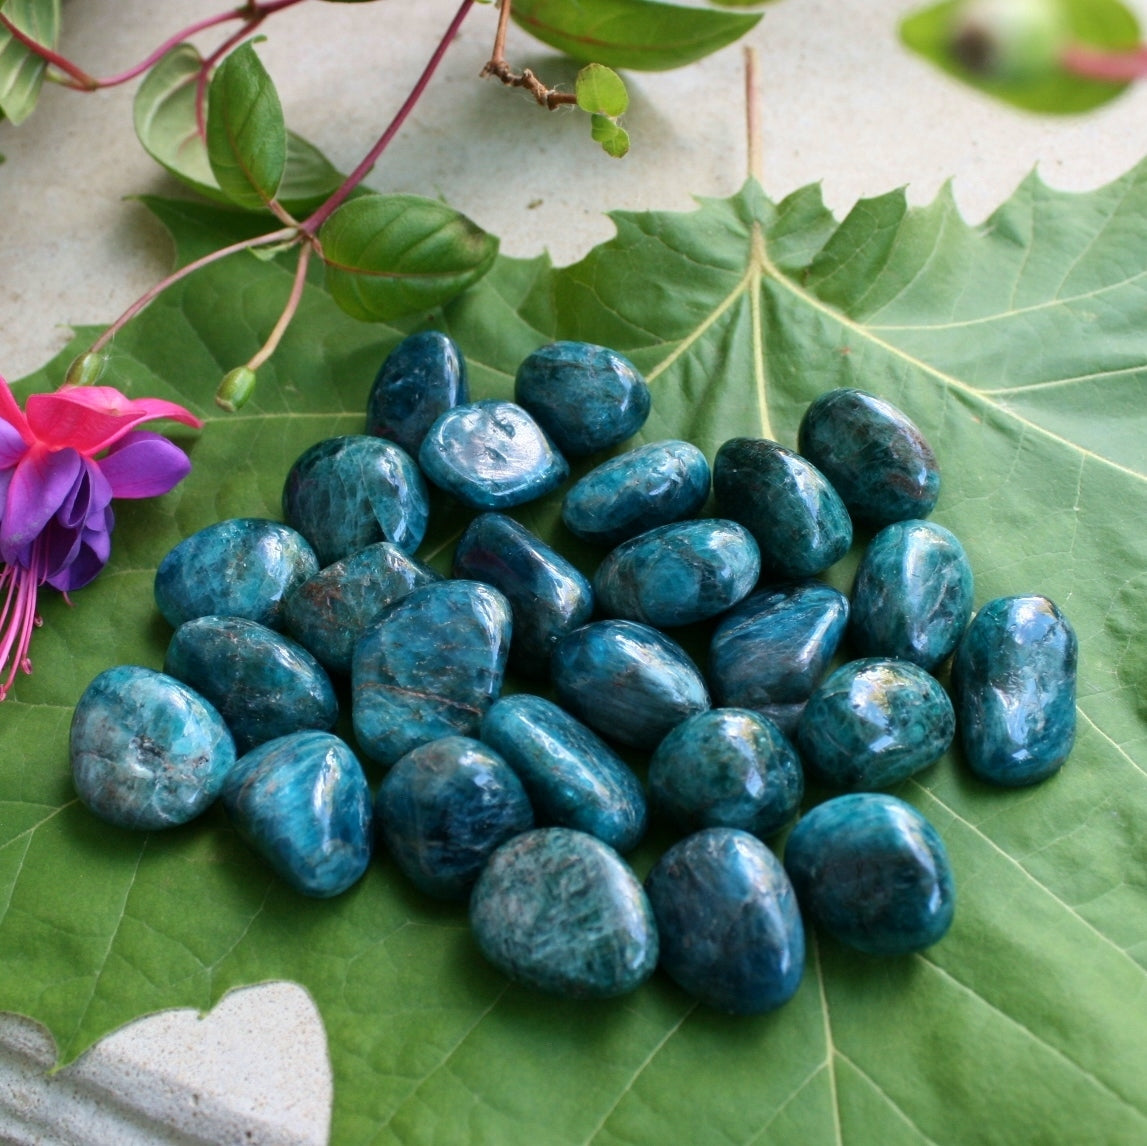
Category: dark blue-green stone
<point>730,931</point>
<point>573,779</point>
<point>147,751</point>
<point>872,872</point>
<point>1013,682</point>
<point>560,911</point>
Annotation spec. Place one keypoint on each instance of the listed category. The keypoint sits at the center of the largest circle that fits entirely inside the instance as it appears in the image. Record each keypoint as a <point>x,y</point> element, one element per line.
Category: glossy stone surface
<point>147,751</point>
<point>491,455</point>
<point>680,573</point>
<point>873,723</point>
<point>346,493</point>
<point>637,491</point>
<point>785,502</point>
<point>1013,683</point>
<point>422,377</point>
<point>263,684</point>
<point>627,681</point>
<point>444,808</point>
<point>874,455</point>
<point>241,567</point>
<point>548,596</point>
<point>303,804</point>
<point>572,778</point>
<point>871,871</point>
<point>586,397</point>
<point>773,649</point>
<point>330,611</point>
<point>912,596</point>
<point>430,665</point>
<point>560,911</point>
<point>727,768</point>
<point>730,931</point>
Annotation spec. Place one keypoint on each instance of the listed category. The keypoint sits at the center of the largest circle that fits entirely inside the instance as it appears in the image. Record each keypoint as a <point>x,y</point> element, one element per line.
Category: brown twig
<point>499,67</point>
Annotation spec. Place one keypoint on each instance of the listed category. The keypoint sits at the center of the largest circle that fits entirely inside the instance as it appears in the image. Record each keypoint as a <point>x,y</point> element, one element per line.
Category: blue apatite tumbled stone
<point>548,596</point>
<point>730,931</point>
<point>264,684</point>
<point>772,650</point>
<point>422,377</point>
<point>430,665</point>
<point>444,808</point>
<point>242,567</point>
<point>573,779</point>
<point>727,768</point>
<point>328,612</point>
<point>586,397</point>
<point>874,455</point>
<point>627,681</point>
<point>147,751</point>
<point>785,502</point>
<point>346,493</point>
<point>1013,683</point>
<point>872,872</point>
<point>302,802</point>
<point>680,573</point>
<point>560,911</point>
<point>873,723</point>
<point>491,455</point>
<point>637,491</point>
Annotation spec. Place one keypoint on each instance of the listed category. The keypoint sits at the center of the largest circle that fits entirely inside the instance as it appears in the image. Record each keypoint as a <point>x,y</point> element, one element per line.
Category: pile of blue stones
<point>266,614</point>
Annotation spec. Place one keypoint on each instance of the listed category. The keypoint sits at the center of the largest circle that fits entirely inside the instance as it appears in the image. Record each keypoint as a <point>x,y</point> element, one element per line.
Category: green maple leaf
<point>1018,347</point>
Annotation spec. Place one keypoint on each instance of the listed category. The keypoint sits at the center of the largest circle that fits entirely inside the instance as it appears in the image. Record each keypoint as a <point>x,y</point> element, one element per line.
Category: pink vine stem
<point>1114,67</point>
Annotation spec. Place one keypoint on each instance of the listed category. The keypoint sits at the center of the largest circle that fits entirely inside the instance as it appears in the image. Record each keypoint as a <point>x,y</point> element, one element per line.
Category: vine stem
<point>1096,64</point>
<point>753,127</point>
<point>499,67</point>
<point>293,300</point>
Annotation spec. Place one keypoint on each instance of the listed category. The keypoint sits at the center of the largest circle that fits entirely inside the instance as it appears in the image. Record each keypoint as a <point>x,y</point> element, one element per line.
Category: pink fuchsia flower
<point>62,460</point>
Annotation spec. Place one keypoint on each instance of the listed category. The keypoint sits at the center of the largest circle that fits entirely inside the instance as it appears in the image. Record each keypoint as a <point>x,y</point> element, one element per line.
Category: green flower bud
<point>237,386</point>
<point>1013,41</point>
<point>85,370</point>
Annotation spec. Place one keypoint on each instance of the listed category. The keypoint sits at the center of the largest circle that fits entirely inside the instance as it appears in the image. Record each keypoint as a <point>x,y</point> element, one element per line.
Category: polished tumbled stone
<point>586,397</point>
<point>264,684</point>
<point>430,665</point>
<point>912,596</point>
<point>772,650</point>
<point>346,493</point>
<point>874,455</point>
<point>147,751</point>
<point>303,804</point>
<point>241,567</point>
<point>1013,683</point>
<point>573,779</point>
<point>873,723</point>
<point>627,681</point>
<point>422,377</point>
<point>562,912</point>
<point>872,872</point>
<point>785,502</point>
<point>680,573</point>
<point>636,491</point>
<point>444,808</point>
<point>730,931</point>
<point>549,596</point>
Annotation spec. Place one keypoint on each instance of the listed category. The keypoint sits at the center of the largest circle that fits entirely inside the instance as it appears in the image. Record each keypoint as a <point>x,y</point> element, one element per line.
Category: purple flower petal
<point>91,556</point>
<point>144,464</point>
<point>40,484</point>
<point>12,445</point>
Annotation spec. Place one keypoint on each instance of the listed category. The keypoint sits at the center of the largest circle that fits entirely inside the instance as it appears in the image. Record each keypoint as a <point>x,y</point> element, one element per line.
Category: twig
<point>499,67</point>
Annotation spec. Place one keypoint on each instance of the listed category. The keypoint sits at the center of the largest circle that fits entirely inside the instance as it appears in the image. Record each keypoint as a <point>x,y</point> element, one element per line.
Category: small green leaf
<point>21,70</point>
<point>614,139</point>
<point>601,90</point>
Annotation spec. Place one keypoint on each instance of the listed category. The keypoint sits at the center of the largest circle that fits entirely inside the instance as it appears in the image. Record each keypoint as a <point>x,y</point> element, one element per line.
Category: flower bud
<point>1015,41</point>
<point>237,386</point>
<point>86,369</point>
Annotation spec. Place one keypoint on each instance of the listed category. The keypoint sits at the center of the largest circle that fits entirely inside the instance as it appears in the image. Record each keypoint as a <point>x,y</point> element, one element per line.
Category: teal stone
<point>429,666</point>
<point>548,596</point>
<point>637,491</point>
<point>873,873</point>
<point>727,768</point>
<point>873,723</point>
<point>263,684</point>
<point>573,779</point>
<point>242,567</point>
<point>678,574</point>
<point>560,911</point>
<point>346,493</point>
<point>785,502</point>
<point>146,751</point>
<point>1013,683</point>
<point>302,802</point>
<point>729,926</point>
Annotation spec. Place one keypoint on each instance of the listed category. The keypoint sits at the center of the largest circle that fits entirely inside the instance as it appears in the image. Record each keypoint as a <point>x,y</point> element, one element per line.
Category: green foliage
<point>614,139</point>
<point>22,71</point>
<point>601,92</point>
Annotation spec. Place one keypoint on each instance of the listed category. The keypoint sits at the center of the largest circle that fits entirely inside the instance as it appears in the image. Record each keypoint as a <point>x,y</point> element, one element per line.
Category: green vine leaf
<point>21,70</point>
<point>614,139</point>
<point>600,90</point>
